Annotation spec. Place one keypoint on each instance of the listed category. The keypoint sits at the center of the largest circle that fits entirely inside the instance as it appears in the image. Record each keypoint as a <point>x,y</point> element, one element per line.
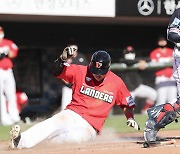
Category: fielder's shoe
<point>14,136</point>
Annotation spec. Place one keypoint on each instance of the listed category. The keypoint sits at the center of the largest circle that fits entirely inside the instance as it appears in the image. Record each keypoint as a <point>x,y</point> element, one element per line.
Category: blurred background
<point>43,28</point>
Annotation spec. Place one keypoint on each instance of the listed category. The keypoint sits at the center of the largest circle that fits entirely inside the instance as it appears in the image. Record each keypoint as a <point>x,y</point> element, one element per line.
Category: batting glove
<point>132,123</point>
<point>67,53</point>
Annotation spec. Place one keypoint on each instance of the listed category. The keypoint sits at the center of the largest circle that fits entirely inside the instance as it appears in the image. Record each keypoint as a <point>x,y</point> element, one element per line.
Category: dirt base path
<point>125,143</point>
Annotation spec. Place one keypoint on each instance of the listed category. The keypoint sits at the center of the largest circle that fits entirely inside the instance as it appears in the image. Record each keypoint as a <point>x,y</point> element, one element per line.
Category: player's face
<point>162,43</point>
<point>99,77</point>
<point>1,34</point>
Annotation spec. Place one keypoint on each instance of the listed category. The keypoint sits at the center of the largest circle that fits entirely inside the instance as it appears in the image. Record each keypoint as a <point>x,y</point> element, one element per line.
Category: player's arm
<point>2,55</point>
<point>126,102</point>
<point>13,50</point>
<point>9,50</point>
<point>173,32</point>
<point>67,53</point>
<point>4,51</point>
<point>158,117</point>
<point>58,66</point>
<point>128,112</point>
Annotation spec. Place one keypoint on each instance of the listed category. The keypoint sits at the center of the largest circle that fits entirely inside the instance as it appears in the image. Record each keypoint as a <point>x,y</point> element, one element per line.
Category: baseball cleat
<point>14,136</point>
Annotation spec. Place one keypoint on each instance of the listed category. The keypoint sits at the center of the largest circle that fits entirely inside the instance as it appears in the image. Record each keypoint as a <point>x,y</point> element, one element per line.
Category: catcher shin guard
<point>159,117</point>
<point>166,116</point>
<point>150,132</point>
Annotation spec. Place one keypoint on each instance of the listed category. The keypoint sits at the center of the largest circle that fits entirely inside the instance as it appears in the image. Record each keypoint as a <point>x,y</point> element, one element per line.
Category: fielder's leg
<point>10,92</point>
<point>159,117</point>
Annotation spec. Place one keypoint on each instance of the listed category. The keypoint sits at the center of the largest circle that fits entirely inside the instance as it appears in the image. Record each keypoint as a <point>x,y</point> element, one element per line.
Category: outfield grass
<point>118,123</point>
<point>4,131</point>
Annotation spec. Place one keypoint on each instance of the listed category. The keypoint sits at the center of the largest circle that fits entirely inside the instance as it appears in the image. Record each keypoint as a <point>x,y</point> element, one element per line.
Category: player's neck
<point>163,49</point>
<point>96,82</point>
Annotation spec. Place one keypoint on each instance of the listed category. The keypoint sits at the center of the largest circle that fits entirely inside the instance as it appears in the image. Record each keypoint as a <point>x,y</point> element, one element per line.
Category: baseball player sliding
<point>8,50</point>
<point>161,115</point>
<point>95,91</point>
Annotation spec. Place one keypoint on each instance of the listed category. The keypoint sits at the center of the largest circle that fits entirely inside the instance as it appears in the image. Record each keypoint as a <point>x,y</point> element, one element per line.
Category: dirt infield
<point>107,143</point>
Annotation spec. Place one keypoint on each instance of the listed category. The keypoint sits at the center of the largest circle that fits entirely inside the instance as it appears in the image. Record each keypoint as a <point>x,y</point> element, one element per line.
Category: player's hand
<point>2,55</point>
<point>4,50</point>
<point>132,123</point>
<point>142,65</point>
<point>67,53</point>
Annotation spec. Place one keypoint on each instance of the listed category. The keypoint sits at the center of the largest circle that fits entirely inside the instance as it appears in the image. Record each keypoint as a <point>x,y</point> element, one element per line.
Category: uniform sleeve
<point>173,32</point>
<point>124,97</point>
<point>13,48</point>
<point>69,73</point>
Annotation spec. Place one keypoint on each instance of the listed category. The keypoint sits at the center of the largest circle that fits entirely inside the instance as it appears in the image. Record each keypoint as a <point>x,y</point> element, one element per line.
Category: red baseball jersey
<point>91,100</point>
<point>6,63</point>
<point>158,56</point>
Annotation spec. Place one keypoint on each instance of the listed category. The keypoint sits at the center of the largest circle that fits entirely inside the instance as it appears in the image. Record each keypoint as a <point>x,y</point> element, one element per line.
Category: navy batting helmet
<point>100,62</point>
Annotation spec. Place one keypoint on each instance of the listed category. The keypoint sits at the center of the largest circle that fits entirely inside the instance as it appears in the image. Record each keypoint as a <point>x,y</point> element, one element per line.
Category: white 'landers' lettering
<point>96,94</point>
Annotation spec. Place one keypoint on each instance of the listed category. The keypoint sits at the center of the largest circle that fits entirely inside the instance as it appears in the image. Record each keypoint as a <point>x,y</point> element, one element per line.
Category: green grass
<point>4,131</point>
<point>117,123</point>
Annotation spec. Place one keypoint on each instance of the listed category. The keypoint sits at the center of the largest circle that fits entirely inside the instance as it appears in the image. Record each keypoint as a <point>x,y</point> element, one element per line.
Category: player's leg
<point>62,121</point>
<point>176,73</point>
<point>10,92</point>
<point>161,94</point>
<point>4,116</point>
<point>66,96</point>
<point>150,94</point>
<point>81,131</point>
<point>6,119</point>
<point>134,93</point>
<point>160,116</point>
<point>147,92</point>
<point>172,93</point>
<point>76,135</point>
